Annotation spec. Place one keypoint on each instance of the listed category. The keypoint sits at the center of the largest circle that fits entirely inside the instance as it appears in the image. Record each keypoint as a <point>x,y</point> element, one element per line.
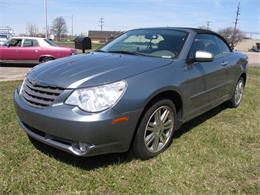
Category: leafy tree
<point>59,27</point>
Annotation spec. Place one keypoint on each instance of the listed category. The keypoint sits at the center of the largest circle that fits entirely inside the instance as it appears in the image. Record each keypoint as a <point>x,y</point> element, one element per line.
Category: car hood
<point>92,69</point>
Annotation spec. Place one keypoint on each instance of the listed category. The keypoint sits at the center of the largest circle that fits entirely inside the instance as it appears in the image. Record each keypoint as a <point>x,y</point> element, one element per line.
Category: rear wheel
<point>238,94</point>
<point>155,131</point>
<point>46,59</point>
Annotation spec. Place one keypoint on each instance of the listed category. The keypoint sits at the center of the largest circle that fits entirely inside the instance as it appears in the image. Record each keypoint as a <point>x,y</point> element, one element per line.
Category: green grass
<point>218,152</point>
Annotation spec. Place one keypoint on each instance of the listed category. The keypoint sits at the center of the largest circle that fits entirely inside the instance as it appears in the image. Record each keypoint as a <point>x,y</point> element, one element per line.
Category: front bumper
<point>63,127</point>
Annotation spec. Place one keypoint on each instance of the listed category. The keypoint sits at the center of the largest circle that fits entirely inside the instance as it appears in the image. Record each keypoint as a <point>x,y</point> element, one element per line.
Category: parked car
<point>3,39</point>
<point>132,93</point>
<point>255,49</point>
<point>32,50</point>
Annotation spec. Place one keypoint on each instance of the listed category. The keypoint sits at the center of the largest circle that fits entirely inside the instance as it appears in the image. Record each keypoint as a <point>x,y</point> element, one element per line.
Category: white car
<point>3,39</point>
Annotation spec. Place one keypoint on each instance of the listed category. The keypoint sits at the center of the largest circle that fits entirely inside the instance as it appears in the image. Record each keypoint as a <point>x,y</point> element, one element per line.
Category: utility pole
<point>101,21</point>
<point>208,24</point>
<point>235,26</point>
<point>46,19</point>
<point>72,25</point>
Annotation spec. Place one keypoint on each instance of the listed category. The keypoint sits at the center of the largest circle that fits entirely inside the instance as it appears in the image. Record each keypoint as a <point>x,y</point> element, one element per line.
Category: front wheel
<point>155,131</point>
<point>238,94</point>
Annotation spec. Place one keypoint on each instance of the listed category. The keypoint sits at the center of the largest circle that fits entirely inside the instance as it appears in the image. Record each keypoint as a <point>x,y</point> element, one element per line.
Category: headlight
<point>97,99</point>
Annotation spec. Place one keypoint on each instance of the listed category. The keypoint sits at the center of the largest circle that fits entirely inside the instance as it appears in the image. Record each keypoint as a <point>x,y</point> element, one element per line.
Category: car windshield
<point>163,43</point>
<point>50,42</point>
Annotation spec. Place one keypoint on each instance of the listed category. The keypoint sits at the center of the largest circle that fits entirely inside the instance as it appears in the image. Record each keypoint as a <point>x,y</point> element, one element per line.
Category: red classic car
<point>32,50</point>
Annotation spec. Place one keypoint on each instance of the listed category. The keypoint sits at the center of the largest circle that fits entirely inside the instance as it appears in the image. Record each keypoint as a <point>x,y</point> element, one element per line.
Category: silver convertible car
<point>132,93</point>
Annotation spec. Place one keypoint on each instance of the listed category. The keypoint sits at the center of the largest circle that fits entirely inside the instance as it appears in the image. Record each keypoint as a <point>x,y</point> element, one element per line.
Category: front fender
<point>144,87</point>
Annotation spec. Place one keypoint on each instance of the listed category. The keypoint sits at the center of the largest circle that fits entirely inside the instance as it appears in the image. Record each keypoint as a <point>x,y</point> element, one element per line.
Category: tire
<point>238,94</point>
<point>154,133</point>
<point>46,59</point>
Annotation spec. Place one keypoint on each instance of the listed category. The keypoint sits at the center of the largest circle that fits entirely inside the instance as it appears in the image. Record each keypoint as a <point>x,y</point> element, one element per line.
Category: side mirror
<point>203,56</point>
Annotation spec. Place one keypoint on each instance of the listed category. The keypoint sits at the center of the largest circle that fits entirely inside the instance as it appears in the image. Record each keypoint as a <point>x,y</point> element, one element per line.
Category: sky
<point>129,14</point>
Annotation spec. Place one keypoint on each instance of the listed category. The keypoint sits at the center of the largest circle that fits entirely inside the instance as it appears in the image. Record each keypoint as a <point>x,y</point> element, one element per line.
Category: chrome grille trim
<point>39,96</point>
<point>46,89</point>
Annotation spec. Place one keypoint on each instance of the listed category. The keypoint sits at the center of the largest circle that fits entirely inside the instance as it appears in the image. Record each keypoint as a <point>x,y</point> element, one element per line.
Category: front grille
<point>38,95</point>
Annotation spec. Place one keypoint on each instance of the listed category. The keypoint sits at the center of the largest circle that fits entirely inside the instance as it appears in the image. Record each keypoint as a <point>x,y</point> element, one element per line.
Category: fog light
<point>80,148</point>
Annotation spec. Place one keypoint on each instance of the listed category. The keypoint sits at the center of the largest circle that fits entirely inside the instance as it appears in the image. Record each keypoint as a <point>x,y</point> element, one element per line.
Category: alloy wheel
<point>159,129</point>
<point>239,92</point>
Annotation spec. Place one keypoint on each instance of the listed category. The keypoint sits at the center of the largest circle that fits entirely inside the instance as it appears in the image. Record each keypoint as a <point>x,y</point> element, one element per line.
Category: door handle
<point>224,63</point>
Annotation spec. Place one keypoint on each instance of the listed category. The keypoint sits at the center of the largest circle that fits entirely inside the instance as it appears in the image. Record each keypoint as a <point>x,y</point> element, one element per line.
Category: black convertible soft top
<point>201,31</point>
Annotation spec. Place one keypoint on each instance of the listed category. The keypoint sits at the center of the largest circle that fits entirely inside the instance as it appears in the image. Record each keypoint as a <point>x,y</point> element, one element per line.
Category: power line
<point>101,21</point>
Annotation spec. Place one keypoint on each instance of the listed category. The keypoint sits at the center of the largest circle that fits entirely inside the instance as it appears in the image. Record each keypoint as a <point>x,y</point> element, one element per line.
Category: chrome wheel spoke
<point>168,124</point>
<point>151,127</point>
<point>158,117</point>
<point>156,143</point>
<point>149,139</point>
<point>163,137</point>
<point>165,115</point>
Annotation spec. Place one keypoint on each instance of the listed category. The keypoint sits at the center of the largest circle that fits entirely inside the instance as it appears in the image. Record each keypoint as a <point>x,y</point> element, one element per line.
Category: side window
<point>28,43</point>
<point>205,42</point>
<point>223,46</point>
<point>15,43</point>
<point>35,43</point>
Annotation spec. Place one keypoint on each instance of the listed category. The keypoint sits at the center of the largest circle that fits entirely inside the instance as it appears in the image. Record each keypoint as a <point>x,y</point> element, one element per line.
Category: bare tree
<point>59,27</point>
<point>32,30</point>
<point>231,36</point>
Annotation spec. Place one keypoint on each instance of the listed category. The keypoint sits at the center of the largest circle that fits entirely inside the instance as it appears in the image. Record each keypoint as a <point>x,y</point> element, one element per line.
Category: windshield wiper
<point>128,52</point>
<point>99,50</point>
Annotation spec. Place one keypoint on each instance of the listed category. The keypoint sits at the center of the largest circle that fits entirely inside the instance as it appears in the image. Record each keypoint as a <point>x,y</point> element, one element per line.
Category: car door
<point>217,74</point>
<point>207,79</point>
<point>11,50</point>
<point>230,65</point>
<point>30,50</point>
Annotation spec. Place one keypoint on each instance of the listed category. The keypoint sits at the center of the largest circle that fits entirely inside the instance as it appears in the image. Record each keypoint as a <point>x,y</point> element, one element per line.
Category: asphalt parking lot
<point>18,71</point>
